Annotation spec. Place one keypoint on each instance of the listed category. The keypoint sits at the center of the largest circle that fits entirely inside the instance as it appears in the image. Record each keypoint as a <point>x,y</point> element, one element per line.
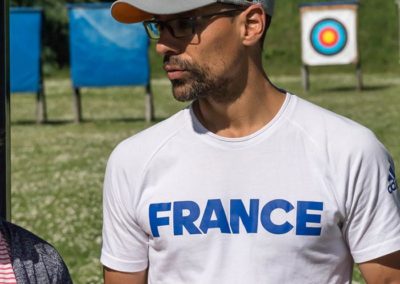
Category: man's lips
<point>176,75</point>
<point>174,72</point>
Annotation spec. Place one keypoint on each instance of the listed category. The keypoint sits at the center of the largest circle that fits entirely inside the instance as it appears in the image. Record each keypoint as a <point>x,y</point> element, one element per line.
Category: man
<point>27,259</point>
<point>249,184</point>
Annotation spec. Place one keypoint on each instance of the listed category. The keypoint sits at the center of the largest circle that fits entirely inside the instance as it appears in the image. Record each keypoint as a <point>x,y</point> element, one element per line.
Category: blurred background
<point>57,166</point>
<point>378,36</point>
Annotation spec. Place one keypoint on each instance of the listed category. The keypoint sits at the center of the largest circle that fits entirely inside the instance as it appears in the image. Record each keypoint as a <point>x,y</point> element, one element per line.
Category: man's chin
<point>181,91</point>
<point>188,90</point>
<point>182,96</point>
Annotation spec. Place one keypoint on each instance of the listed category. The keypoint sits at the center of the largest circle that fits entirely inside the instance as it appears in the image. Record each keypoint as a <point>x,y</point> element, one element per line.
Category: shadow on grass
<point>368,88</point>
<point>88,120</point>
<point>33,122</point>
<point>123,120</point>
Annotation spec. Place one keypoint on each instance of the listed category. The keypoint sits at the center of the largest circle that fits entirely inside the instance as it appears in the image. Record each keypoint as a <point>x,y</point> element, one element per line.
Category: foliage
<point>57,168</point>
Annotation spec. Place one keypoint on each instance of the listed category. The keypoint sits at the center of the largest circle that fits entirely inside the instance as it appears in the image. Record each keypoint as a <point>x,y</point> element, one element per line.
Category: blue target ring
<point>328,37</point>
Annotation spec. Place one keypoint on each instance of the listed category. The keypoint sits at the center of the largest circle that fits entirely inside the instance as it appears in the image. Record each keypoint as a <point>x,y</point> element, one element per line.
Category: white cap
<point>133,11</point>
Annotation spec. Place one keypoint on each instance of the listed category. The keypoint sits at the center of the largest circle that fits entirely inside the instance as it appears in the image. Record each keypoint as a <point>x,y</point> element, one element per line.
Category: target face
<point>329,34</point>
<point>328,37</point>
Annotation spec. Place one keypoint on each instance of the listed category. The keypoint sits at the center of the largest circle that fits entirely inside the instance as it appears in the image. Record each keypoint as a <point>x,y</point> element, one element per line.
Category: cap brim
<point>125,13</point>
<point>133,11</point>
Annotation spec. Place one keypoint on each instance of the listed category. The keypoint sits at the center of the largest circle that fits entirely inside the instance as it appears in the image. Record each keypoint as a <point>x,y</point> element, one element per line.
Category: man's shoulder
<point>332,131</point>
<point>150,140</point>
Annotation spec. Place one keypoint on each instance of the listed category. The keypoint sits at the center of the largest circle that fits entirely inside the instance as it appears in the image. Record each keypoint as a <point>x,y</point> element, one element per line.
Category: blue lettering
<point>156,221</point>
<point>221,222</point>
<point>249,220</point>
<point>303,218</point>
<point>186,213</point>
<point>266,216</point>
<point>181,221</point>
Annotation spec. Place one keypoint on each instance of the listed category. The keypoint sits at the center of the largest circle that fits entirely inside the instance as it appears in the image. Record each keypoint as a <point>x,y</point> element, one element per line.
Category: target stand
<point>398,4</point>
<point>329,37</point>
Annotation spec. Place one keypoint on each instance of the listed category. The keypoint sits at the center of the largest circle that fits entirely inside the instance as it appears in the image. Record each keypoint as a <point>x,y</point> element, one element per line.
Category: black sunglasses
<point>182,27</point>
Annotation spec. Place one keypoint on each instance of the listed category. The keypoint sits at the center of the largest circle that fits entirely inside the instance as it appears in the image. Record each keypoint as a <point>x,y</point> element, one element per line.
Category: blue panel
<point>105,52</point>
<point>25,47</point>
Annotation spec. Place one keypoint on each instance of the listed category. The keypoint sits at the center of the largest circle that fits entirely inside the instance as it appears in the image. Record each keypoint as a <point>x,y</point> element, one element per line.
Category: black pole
<point>4,113</point>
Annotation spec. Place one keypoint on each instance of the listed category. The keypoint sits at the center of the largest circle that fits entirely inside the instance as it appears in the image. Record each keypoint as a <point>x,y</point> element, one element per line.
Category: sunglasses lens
<point>182,27</point>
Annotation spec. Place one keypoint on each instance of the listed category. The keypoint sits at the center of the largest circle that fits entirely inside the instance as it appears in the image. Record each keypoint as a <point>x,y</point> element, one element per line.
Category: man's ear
<point>254,24</point>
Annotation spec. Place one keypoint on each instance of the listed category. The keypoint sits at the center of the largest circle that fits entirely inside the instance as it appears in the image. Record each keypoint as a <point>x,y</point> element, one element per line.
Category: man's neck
<point>257,105</point>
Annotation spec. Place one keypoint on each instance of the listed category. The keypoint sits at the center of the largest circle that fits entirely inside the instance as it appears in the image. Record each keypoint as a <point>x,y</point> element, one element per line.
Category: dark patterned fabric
<point>34,260</point>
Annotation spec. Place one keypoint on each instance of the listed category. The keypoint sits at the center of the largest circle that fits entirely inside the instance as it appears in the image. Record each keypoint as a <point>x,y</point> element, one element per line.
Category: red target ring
<point>328,37</point>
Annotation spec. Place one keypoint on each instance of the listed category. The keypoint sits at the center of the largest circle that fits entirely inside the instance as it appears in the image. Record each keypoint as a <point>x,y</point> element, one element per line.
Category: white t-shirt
<point>294,202</point>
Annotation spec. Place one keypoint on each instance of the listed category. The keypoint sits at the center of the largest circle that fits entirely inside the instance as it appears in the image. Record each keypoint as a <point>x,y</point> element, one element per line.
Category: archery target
<point>329,36</point>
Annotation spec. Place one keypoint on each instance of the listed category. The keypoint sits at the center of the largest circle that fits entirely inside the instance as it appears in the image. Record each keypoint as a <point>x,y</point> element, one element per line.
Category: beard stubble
<point>199,84</point>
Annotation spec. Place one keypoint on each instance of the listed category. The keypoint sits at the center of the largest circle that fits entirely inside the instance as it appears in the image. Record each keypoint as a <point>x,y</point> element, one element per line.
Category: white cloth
<point>294,202</point>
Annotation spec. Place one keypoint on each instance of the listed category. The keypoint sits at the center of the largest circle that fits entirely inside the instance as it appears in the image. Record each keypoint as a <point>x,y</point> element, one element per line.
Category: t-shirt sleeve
<point>125,244</point>
<point>372,227</point>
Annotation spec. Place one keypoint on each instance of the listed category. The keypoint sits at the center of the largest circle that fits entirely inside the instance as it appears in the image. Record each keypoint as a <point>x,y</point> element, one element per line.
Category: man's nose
<point>167,44</point>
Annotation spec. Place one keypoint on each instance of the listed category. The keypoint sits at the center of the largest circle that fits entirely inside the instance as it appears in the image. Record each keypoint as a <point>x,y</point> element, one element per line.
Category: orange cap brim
<point>127,14</point>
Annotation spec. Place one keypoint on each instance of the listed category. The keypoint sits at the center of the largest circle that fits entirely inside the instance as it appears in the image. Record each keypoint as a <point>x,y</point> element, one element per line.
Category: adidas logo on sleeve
<point>392,180</point>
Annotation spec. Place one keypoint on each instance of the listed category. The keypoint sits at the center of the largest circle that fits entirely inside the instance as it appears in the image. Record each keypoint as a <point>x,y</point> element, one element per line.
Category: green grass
<point>57,168</point>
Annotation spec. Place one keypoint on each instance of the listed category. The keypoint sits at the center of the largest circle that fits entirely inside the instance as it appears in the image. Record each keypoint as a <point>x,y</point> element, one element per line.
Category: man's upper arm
<point>117,277</point>
<point>372,201</point>
<point>125,243</point>
<point>385,269</point>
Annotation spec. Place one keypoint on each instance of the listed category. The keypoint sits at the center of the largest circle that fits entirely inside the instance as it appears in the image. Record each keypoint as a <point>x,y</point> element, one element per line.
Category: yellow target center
<point>329,37</point>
